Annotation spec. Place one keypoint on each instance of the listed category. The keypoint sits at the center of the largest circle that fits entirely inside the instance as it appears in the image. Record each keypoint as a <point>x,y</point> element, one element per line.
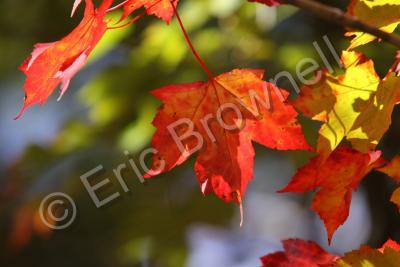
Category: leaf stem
<point>189,42</point>
<point>338,16</point>
<point>133,20</point>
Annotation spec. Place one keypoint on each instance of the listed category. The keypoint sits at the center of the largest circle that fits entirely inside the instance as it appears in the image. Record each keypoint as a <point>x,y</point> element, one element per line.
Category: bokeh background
<point>108,110</point>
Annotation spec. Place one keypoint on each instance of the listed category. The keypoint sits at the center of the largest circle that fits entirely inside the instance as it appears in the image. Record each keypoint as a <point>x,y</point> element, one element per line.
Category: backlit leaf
<point>53,63</point>
<point>383,14</point>
<point>336,179</point>
<point>219,120</point>
<point>351,105</point>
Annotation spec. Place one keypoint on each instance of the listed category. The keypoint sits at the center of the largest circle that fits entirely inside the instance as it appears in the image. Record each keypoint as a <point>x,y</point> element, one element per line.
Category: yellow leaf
<point>366,133</point>
<point>351,105</point>
<point>383,14</point>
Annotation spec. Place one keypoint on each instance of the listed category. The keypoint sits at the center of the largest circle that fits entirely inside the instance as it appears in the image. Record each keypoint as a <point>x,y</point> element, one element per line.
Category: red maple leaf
<point>299,253</point>
<point>219,120</point>
<point>337,177</point>
<point>160,8</point>
<point>53,63</point>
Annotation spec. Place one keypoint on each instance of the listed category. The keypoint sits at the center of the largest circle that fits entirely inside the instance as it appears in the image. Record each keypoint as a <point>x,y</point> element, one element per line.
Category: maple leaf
<point>220,119</point>
<point>160,8</point>
<point>53,63</point>
<point>336,178</point>
<point>269,2</point>
<point>350,105</point>
<point>299,253</point>
<point>383,14</point>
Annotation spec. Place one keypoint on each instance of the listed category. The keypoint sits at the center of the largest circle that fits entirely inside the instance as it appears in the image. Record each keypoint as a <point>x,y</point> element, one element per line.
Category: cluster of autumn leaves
<point>300,253</point>
<point>52,64</point>
<point>355,106</point>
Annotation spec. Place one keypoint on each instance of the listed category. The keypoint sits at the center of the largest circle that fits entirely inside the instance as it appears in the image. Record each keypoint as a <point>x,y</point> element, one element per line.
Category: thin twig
<point>336,15</point>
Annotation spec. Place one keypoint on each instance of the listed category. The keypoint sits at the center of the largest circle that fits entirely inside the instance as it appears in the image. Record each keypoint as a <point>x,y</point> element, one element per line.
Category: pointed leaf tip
<point>75,7</point>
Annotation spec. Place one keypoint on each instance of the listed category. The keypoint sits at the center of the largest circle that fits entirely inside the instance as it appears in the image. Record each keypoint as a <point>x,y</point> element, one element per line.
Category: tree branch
<point>336,15</point>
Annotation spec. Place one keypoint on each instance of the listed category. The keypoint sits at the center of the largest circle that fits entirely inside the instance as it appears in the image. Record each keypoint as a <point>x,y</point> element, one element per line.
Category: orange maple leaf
<point>336,177</point>
<point>53,63</point>
<point>220,119</point>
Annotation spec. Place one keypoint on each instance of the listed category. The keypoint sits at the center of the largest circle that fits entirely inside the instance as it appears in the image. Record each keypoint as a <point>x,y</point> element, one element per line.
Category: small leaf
<point>336,178</point>
<point>53,63</point>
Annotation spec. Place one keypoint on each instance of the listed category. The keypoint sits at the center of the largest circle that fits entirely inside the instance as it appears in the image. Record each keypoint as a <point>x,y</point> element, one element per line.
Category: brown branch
<point>336,15</point>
